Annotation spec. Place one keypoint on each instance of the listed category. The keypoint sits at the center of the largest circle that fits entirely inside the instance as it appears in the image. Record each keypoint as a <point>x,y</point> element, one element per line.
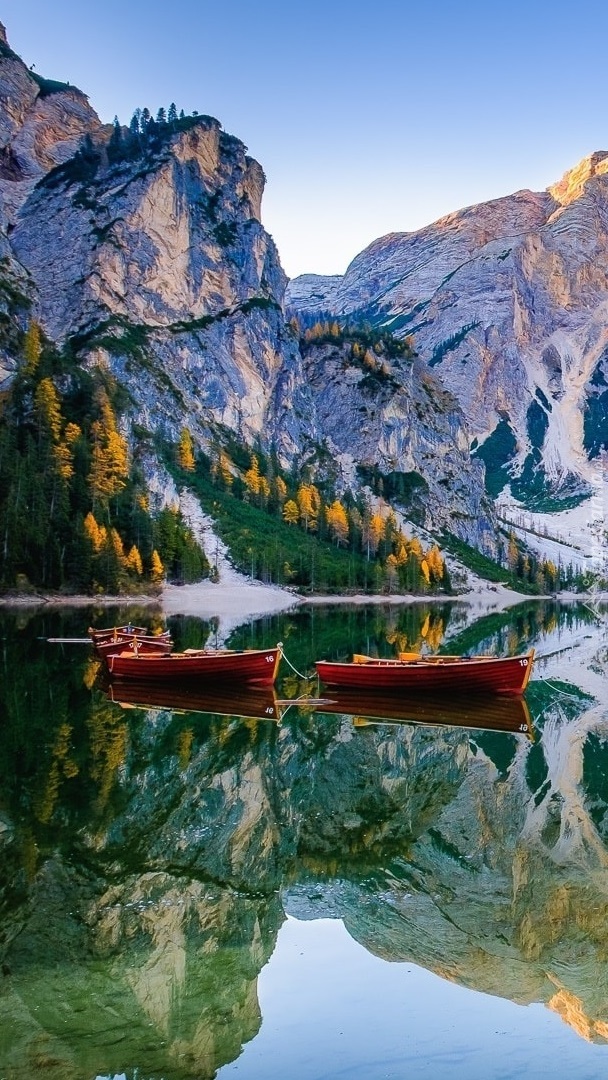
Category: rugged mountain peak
<point>573,182</point>
<point>3,33</point>
<point>507,300</point>
<point>42,123</point>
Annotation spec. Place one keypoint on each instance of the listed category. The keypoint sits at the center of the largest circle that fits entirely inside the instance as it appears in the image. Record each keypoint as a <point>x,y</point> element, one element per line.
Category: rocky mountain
<point>145,255</point>
<point>507,302</point>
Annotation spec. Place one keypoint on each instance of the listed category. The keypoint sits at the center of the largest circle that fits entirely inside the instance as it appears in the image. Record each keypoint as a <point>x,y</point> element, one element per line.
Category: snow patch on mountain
<point>578,536</point>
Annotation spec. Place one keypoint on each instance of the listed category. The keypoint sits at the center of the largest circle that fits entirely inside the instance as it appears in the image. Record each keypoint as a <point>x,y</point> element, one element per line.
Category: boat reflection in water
<point>510,714</point>
<point>494,713</point>
<point>251,702</point>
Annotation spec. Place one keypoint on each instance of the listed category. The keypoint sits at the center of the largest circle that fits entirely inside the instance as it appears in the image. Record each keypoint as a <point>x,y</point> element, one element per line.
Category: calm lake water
<point>249,885</point>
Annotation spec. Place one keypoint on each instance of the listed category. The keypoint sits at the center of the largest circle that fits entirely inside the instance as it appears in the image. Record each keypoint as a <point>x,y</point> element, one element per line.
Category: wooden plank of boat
<point>97,632</point>
<point>123,643</point>
<point>249,702</point>
<point>491,712</point>
<point>258,666</point>
<point>470,674</point>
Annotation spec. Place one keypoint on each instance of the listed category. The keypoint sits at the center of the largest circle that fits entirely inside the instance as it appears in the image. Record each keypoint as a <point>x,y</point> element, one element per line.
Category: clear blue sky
<point>367,118</point>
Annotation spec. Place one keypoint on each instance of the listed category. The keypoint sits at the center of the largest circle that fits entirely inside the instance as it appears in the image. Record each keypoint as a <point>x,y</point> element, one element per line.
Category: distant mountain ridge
<point>507,302</point>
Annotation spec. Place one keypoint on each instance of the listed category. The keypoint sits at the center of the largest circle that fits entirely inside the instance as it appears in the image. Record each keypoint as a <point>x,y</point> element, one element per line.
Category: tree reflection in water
<point>149,853</point>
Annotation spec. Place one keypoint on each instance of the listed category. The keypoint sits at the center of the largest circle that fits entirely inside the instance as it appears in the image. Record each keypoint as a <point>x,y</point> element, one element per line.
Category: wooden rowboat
<point>492,712</point>
<point>436,674</point>
<point>257,666</point>
<point>136,638</point>
<point>133,644</point>
<point>101,633</point>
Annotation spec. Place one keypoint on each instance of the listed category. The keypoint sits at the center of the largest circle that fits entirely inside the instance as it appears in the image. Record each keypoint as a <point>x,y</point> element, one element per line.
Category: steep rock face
<point>41,125</point>
<point>167,275</point>
<point>147,256</point>
<point>508,301</point>
<point>401,421</point>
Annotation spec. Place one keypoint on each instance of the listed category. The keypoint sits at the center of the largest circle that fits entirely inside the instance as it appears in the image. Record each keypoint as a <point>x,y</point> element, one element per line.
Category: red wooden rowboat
<point>133,644</point>
<point>257,666</point>
<point>438,674</point>
<point>102,633</point>
<point>120,638</point>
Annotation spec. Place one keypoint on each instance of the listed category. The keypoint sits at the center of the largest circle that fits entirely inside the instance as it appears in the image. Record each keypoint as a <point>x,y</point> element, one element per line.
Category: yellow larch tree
<point>512,552</point>
<point>337,522</point>
<point>46,402</point>
<point>280,489</point>
<point>32,348</point>
<point>376,529</point>
<point>253,476</point>
<point>157,570</point>
<point>415,547</point>
<point>93,532</point>
<point>221,469</point>
<point>185,451</point>
<point>64,460</point>
<point>134,562</point>
<point>109,458</point>
<point>291,513</point>
<point>309,505</point>
<point>435,563</point>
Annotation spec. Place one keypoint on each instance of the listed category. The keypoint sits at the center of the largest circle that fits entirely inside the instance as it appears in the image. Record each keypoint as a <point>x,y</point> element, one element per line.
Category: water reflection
<point>148,854</point>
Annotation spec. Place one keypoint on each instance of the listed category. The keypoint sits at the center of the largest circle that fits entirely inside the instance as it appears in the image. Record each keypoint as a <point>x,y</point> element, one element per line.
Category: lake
<point>257,885</point>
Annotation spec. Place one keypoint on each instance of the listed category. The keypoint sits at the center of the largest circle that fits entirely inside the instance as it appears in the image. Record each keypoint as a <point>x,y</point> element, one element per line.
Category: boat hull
<point>438,675</point>
<point>256,666</point>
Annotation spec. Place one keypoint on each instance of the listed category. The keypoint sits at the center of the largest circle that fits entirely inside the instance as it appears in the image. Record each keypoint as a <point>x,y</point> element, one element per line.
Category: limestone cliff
<point>507,301</point>
<point>147,256</point>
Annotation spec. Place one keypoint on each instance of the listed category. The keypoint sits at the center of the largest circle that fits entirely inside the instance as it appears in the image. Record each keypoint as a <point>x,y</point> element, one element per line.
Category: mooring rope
<point>288,661</point>
<point>564,693</point>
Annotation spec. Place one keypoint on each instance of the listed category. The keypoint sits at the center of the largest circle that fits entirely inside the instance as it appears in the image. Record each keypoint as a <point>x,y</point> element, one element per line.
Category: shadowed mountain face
<point>148,855</point>
<point>507,302</point>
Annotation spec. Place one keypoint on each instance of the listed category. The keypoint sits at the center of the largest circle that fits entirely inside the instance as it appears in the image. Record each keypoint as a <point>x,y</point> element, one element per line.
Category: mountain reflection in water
<point>149,854</point>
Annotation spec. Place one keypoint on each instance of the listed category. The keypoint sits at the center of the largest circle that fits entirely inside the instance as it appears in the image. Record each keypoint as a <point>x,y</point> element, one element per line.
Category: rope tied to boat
<point>288,661</point>
<point>564,693</point>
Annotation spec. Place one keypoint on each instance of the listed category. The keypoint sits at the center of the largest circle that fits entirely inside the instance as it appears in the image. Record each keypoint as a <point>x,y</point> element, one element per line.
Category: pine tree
<point>135,125</point>
<point>115,144</point>
<point>172,114</point>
